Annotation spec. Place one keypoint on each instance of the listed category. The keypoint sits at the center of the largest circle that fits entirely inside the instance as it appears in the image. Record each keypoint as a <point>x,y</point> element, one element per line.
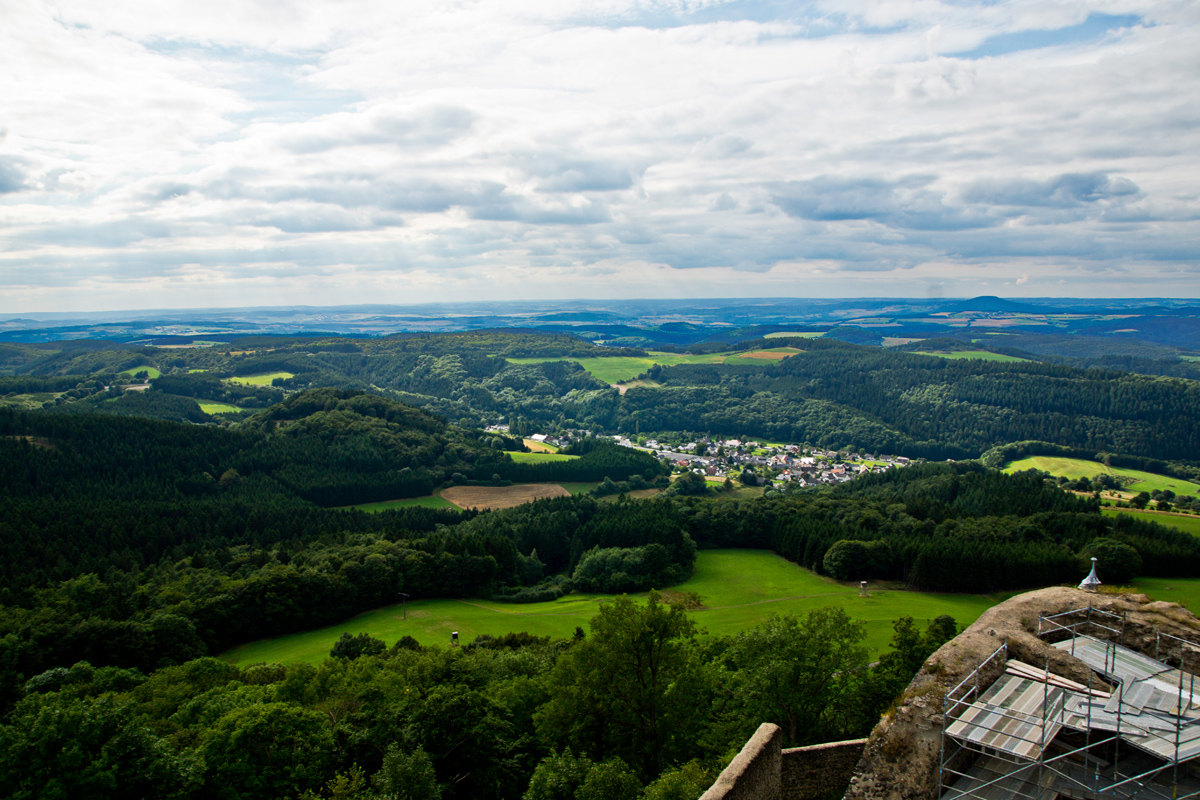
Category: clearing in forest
<point>739,589</point>
<point>982,355</point>
<point>1075,468</point>
<point>387,505</point>
<point>621,369</point>
<point>260,380</point>
<point>491,497</point>
<point>153,372</point>
<point>217,408</point>
<point>539,458</point>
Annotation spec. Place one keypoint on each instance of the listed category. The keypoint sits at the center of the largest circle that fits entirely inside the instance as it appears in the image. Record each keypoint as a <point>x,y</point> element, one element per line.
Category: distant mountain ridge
<point>993,303</point>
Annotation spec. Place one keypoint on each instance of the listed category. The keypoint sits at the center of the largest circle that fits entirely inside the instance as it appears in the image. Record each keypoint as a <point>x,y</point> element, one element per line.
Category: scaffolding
<point>1016,731</point>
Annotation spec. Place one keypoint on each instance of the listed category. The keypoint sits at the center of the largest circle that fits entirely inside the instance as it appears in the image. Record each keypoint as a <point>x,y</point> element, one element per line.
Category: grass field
<point>625,368</point>
<point>739,589</point>
<point>1185,591</point>
<point>260,380</point>
<point>1187,524</point>
<point>982,355</point>
<point>28,401</point>
<point>1074,468</point>
<point>218,408</point>
<point>539,447</point>
<point>539,458</point>
<point>582,487</point>
<point>153,372</point>
<point>388,505</point>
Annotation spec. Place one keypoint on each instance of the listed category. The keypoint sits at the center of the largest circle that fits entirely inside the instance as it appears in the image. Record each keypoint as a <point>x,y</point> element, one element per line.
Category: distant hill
<point>993,303</point>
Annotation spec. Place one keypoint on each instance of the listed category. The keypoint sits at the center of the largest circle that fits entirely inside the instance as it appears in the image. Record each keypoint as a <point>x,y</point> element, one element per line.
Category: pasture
<point>1185,523</point>
<point>209,407</point>
<point>738,588</point>
<point>579,487</point>
<point>1075,468</point>
<point>153,372</point>
<point>1185,591</point>
<point>539,458</point>
<point>982,355</point>
<point>490,497</point>
<point>540,447</point>
<point>620,369</point>
<point>387,505</point>
<point>260,380</point>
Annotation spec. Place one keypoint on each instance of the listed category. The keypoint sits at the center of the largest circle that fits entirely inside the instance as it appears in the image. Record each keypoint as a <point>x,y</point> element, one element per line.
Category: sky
<point>237,153</point>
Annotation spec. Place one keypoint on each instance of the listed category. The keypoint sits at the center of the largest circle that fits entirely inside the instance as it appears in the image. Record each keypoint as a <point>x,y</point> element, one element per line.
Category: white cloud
<point>318,151</point>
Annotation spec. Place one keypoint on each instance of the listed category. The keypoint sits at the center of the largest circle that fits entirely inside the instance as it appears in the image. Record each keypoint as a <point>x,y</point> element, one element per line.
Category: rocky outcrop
<point>900,761</point>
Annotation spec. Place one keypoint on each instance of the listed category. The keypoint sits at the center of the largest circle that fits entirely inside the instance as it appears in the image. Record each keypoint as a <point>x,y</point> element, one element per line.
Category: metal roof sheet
<point>1009,716</point>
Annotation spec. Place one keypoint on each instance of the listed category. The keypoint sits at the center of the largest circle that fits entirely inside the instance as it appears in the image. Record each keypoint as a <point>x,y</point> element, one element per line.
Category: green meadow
<point>260,380</point>
<point>580,487</point>
<point>153,372</point>
<point>539,458</point>
<point>982,355</point>
<point>218,408</point>
<point>619,369</point>
<point>1185,591</point>
<point>1075,468</point>
<point>1179,522</point>
<point>387,505</point>
<point>739,589</point>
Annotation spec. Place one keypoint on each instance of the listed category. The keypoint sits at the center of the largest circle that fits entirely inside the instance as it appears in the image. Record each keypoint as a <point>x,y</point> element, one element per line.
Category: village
<point>752,463</point>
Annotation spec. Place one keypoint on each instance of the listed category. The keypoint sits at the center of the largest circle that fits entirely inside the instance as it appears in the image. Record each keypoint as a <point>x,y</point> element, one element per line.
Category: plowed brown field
<point>488,497</point>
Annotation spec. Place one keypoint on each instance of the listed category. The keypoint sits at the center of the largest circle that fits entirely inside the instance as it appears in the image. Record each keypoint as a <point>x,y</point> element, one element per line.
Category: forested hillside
<point>842,395</point>
<point>833,394</point>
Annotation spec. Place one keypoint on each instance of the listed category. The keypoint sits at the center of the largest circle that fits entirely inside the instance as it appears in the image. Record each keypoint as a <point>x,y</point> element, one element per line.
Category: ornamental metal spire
<point>1091,581</point>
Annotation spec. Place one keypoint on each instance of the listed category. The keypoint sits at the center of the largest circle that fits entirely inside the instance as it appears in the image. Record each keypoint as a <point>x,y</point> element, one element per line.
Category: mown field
<point>260,380</point>
<point>739,589</point>
<point>982,355</point>
<point>1075,468</point>
<point>539,458</point>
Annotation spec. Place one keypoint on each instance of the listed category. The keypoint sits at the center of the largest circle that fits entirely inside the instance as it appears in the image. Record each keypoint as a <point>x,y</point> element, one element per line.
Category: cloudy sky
<point>235,152</point>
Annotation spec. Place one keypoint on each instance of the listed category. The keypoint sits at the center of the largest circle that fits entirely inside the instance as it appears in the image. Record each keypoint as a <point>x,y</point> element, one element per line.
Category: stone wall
<point>755,771</point>
<point>763,771</point>
<point>814,771</point>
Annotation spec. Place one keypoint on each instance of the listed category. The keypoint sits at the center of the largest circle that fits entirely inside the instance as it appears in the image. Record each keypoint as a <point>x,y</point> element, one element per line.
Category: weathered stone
<point>900,761</point>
